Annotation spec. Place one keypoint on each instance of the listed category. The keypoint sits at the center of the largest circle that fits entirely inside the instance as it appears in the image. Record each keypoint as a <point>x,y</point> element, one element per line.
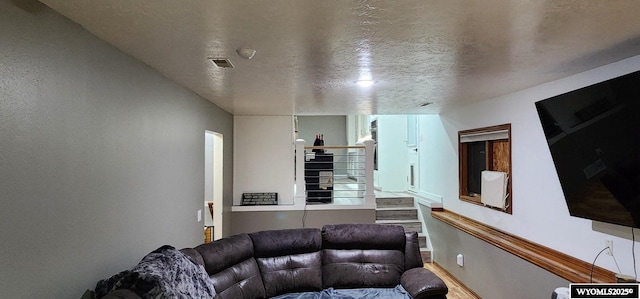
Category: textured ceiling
<point>310,53</point>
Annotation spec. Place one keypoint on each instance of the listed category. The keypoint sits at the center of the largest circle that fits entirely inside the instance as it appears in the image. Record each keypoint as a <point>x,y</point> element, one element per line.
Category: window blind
<point>484,136</point>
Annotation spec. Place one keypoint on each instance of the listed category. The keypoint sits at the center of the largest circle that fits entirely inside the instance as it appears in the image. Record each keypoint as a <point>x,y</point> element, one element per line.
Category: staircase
<point>401,211</point>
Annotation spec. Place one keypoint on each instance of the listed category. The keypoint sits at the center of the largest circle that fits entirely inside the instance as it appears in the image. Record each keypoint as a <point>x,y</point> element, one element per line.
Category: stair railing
<point>351,180</point>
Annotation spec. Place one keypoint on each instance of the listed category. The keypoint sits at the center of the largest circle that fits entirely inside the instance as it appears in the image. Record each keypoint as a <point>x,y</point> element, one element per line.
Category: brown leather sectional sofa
<point>316,263</point>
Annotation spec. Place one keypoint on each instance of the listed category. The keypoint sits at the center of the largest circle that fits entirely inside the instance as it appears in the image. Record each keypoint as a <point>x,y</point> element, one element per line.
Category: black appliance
<point>318,175</point>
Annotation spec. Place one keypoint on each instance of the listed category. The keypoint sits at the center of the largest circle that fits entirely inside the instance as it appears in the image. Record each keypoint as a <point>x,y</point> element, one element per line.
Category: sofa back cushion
<point>362,255</point>
<point>230,264</point>
<point>193,255</point>
<point>412,256</point>
<point>289,260</point>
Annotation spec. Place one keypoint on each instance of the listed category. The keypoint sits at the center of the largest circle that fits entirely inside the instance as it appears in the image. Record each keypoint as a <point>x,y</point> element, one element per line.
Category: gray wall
<point>101,157</point>
<point>488,270</point>
<point>247,222</point>
<point>334,128</point>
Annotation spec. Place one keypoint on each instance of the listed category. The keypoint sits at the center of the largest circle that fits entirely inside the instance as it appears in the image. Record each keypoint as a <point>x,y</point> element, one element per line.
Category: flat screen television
<point>593,134</point>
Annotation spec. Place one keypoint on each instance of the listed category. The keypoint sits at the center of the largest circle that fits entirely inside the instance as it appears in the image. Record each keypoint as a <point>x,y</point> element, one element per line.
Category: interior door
<point>412,153</point>
<point>213,172</point>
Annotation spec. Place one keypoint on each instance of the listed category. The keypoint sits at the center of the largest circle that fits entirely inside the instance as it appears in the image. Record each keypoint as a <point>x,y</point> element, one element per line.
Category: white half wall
<point>264,156</point>
<point>540,213</point>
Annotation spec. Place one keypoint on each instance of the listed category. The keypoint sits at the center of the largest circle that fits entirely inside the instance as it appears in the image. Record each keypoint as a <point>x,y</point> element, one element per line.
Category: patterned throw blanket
<point>363,293</point>
<point>163,273</point>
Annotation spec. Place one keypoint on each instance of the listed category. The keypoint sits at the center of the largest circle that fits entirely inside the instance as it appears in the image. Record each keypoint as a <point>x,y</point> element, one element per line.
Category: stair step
<point>409,225</point>
<point>426,255</point>
<point>422,240</point>
<point>397,214</point>
<point>394,202</point>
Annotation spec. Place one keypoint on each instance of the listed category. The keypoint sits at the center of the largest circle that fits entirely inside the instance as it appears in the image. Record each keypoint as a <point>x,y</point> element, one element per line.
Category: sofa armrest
<point>422,283</point>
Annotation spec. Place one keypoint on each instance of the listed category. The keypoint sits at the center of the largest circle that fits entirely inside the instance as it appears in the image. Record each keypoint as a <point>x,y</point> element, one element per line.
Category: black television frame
<point>593,134</point>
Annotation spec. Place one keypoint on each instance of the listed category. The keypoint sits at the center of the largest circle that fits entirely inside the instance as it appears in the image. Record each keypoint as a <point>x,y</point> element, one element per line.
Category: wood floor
<point>457,290</point>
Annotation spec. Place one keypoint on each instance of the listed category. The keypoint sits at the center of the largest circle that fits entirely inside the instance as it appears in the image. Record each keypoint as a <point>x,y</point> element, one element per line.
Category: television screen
<point>593,134</point>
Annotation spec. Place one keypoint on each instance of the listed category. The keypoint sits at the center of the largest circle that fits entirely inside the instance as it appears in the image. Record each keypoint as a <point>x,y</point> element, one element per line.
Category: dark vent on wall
<point>222,62</point>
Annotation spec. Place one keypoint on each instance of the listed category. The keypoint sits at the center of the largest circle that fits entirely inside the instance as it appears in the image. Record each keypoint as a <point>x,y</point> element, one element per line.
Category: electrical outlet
<point>609,245</point>
<point>199,216</point>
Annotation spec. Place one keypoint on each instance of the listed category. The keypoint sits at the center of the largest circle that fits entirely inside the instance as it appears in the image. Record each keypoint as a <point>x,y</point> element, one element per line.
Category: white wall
<point>540,213</point>
<point>334,129</point>
<point>264,156</point>
<point>438,155</point>
<point>393,163</point>
<point>101,157</point>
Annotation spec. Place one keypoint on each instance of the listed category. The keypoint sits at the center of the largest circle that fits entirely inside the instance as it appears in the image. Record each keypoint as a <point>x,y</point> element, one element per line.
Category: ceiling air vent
<point>222,62</point>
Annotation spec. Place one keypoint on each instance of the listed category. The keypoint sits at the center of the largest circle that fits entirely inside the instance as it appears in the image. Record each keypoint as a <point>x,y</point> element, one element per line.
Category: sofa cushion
<point>241,280</point>
<point>232,268</point>
<point>291,273</point>
<point>286,241</point>
<point>289,260</point>
<point>357,268</point>
<point>363,236</point>
<point>193,255</point>
<point>412,256</point>
<point>226,252</point>
<point>362,255</point>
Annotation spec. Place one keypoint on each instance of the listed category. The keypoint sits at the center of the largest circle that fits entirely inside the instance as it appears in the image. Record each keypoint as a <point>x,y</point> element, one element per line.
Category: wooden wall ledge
<point>558,263</point>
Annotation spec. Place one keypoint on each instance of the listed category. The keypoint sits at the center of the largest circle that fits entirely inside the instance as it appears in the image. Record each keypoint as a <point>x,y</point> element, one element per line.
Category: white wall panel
<point>264,156</point>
